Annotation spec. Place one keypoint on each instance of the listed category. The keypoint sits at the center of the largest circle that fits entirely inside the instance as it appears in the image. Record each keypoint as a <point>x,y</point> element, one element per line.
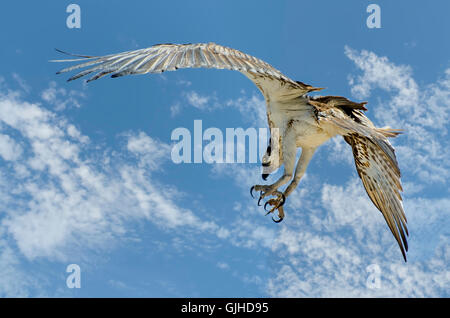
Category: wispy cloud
<point>150,152</point>
<point>21,82</point>
<point>333,232</point>
<point>61,98</point>
<point>423,112</point>
<point>14,282</point>
<point>61,194</point>
<point>337,234</point>
<point>252,108</point>
<point>9,149</point>
<point>325,252</point>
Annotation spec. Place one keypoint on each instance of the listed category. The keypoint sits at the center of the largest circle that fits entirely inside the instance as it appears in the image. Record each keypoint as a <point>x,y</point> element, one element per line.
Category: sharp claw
<point>280,215</point>
<point>273,202</point>
<point>277,221</point>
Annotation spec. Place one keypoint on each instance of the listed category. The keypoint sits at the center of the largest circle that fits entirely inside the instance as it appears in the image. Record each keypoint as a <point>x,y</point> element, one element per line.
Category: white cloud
<point>149,151</point>
<point>333,232</point>
<point>337,233</point>
<point>337,151</point>
<point>13,281</point>
<point>22,83</point>
<point>61,98</point>
<point>183,82</point>
<point>73,132</point>
<point>175,109</point>
<point>9,149</point>
<point>63,196</point>
<point>198,101</point>
<point>74,195</point>
<point>325,252</point>
<point>422,112</point>
<point>252,109</point>
<point>223,265</point>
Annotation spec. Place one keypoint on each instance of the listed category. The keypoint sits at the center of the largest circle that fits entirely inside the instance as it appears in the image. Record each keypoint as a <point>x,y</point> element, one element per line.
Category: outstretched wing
<point>169,57</point>
<point>374,156</point>
<point>380,176</point>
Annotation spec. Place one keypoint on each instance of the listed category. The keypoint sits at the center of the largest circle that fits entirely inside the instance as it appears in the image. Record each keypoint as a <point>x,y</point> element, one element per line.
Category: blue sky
<point>86,176</point>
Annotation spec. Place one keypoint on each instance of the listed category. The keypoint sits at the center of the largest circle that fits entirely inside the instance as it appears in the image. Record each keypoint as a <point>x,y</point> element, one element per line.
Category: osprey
<point>295,120</point>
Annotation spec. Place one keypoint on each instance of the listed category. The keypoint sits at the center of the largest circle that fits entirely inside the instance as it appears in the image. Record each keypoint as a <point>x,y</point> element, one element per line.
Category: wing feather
<point>381,179</point>
<point>374,157</point>
<point>168,57</point>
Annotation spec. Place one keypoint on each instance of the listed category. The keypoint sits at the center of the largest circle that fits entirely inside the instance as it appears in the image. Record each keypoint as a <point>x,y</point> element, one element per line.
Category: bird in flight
<point>296,120</point>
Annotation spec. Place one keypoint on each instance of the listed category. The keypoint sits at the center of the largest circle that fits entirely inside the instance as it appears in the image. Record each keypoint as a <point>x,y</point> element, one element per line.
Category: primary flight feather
<point>295,119</point>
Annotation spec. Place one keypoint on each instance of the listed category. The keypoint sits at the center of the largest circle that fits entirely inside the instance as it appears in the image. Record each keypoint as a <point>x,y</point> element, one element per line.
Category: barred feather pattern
<point>374,157</point>
<point>380,176</point>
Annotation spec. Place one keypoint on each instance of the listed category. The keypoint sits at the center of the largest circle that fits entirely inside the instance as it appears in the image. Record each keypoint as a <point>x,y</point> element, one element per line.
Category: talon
<point>280,215</point>
<point>251,191</point>
<point>259,201</point>
<point>265,205</point>
<point>277,221</point>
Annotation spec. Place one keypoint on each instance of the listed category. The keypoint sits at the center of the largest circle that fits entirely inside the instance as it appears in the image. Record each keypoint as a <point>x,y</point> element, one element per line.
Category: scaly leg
<point>302,164</point>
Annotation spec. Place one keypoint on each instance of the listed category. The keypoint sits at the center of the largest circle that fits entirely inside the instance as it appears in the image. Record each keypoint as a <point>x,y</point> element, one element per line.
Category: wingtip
<point>72,54</point>
<point>404,247</point>
<point>119,74</point>
<point>316,89</point>
<point>363,106</point>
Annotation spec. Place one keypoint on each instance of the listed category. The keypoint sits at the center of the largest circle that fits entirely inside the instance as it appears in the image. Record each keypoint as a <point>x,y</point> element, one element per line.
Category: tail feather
<point>389,132</point>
